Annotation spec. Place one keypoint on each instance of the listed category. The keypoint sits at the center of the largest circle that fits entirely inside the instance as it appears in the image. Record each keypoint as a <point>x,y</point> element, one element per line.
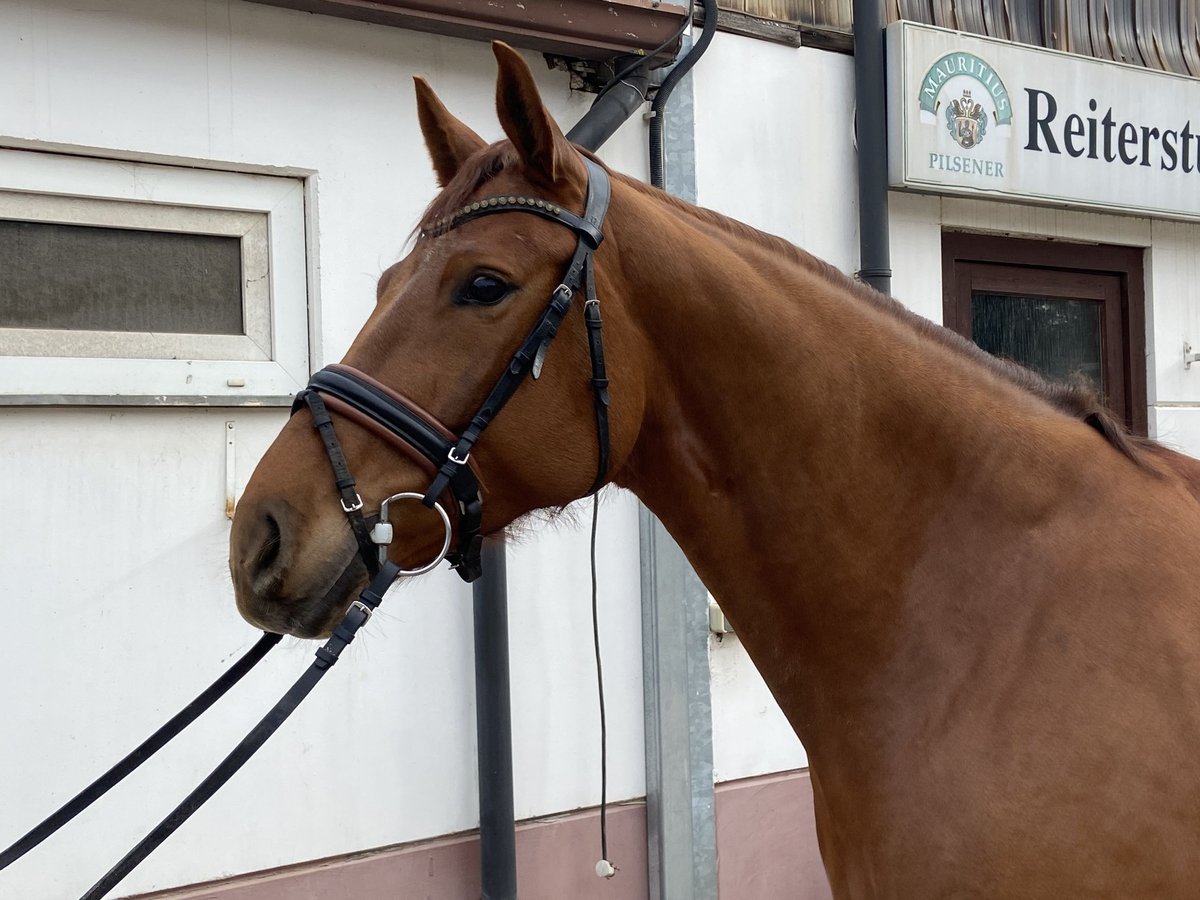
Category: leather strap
<point>326,656</point>
<point>352,503</point>
<point>141,753</point>
<point>591,318</point>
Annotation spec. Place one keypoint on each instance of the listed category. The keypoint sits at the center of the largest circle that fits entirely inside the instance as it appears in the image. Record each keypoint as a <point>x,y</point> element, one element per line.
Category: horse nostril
<point>268,552</point>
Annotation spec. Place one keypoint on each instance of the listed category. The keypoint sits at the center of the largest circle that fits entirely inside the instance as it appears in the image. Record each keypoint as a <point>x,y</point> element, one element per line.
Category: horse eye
<point>484,289</point>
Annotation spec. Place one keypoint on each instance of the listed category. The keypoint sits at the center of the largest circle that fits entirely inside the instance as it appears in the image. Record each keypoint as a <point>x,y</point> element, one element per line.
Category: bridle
<point>394,417</point>
<point>357,396</point>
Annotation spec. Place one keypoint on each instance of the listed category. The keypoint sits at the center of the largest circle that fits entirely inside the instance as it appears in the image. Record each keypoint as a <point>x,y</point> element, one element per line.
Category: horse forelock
<point>474,174</point>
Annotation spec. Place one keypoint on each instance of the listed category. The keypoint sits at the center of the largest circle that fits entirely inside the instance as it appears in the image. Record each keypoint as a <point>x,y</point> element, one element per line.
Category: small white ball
<point>605,869</point>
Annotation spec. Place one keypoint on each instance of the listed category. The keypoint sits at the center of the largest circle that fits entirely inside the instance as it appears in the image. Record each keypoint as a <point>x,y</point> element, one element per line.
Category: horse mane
<point>1078,400</point>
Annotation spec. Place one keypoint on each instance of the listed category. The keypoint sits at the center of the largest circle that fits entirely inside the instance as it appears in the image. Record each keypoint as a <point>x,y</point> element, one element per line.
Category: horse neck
<point>806,447</point>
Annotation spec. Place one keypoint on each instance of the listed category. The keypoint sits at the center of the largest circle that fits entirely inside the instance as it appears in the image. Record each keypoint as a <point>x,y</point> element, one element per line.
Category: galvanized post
<point>680,824</point>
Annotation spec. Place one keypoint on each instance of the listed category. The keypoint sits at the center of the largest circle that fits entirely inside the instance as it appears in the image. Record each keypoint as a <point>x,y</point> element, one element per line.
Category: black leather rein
<point>428,438</point>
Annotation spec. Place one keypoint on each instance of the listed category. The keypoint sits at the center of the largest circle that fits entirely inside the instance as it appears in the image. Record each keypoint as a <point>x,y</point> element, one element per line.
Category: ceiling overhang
<point>585,29</point>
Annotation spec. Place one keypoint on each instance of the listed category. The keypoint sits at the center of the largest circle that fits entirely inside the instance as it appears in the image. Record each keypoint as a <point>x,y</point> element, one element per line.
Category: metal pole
<point>869,91</point>
<point>493,727</point>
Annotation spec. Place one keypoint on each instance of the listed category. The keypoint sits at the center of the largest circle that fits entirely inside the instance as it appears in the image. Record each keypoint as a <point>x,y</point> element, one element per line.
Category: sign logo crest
<point>966,94</point>
<point>966,121</point>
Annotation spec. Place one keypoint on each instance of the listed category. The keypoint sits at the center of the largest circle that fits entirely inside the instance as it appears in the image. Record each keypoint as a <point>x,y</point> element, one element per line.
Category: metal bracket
<point>717,623</point>
<point>230,470</point>
<point>1188,356</point>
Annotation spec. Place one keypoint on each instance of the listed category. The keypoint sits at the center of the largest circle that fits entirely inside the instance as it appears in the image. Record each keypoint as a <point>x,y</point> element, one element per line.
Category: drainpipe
<point>611,108</point>
<point>493,697</point>
<point>871,120</point>
<point>493,727</point>
<point>658,110</point>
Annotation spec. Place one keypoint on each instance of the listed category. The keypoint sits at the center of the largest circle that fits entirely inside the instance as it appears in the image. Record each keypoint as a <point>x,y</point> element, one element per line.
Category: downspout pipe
<point>875,264</point>
<point>611,108</point>
<point>658,160</point>
<point>493,694</point>
<point>493,727</point>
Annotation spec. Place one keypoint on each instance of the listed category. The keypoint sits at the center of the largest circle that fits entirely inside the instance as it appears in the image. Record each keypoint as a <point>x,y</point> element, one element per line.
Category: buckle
<point>353,507</point>
<point>366,611</point>
<point>454,459</point>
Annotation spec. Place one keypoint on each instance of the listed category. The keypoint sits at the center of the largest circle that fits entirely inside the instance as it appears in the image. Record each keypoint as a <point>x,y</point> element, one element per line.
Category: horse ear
<point>450,142</point>
<point>534,134</point>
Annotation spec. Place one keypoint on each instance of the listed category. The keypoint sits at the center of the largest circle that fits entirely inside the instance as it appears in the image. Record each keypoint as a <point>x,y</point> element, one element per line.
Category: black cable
<point>649,57</point>
<point>600,690</point>
<point>141,753</point>
<point>658,108</point>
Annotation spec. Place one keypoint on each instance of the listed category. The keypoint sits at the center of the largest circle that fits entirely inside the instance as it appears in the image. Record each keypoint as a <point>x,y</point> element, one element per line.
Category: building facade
<point>283,145</point>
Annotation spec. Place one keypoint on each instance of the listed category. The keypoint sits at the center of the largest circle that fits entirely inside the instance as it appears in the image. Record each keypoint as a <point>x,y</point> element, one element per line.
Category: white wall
<point>113,539</point>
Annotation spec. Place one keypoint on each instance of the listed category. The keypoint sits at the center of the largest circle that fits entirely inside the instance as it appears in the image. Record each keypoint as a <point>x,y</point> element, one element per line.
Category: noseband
<point>388,413</point>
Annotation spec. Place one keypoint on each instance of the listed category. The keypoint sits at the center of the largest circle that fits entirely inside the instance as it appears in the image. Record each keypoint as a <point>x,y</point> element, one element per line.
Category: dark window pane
<point>87,278</point>
<point>1059,338</point>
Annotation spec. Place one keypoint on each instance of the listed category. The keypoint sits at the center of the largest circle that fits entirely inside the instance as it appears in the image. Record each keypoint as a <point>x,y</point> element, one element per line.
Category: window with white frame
<point>138,283</point>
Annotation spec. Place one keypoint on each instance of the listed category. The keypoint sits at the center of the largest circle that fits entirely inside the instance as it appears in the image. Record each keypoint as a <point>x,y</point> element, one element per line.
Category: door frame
<point>1046,266</point>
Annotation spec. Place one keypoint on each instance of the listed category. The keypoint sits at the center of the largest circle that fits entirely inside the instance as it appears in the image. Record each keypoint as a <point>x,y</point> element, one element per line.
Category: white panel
<point>1042,222</point>
<point>556,724</point>
<point>780,156</point>
<point>1178,427</point>
<point>1173,274</point>
<point>916,236</point>
<point>751,736</point>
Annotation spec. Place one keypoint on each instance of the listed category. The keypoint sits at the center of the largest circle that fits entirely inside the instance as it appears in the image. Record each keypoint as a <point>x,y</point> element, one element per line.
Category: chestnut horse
<point>972,594</point>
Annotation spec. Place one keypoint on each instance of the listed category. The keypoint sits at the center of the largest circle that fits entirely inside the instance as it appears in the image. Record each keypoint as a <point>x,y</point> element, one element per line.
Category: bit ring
<point>429,566</point>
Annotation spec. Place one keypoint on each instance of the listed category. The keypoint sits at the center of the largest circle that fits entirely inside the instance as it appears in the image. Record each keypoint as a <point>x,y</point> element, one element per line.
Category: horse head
<point>447,321</point>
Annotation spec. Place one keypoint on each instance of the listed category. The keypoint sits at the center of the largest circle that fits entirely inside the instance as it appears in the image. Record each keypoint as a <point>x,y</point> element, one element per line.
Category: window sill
<point>265,365</point>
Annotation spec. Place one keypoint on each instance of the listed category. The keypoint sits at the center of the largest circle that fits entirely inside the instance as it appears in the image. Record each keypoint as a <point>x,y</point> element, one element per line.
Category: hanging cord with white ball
<point>604,868</point>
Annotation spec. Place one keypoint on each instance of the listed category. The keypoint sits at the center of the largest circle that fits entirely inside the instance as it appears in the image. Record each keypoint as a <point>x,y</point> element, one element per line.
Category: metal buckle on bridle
<point>455,459</point>
<point>364,609</point>
<point>382,533</point>
<point>354,507</point>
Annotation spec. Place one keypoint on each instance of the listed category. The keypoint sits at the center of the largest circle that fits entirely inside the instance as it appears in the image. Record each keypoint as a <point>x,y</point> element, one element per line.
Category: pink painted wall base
<point>766,850</point>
